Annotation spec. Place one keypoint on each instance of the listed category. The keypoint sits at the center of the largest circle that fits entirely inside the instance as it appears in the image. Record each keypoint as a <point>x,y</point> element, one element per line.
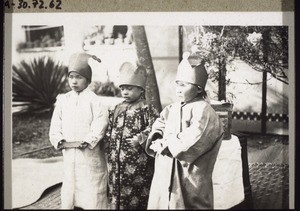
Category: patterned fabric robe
<point>183,177</point>
<point>81,117</point>
<point>130,168</point>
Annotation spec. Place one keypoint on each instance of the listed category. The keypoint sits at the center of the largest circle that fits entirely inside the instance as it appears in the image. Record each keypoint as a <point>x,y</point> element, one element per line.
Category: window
<point>107,35</point>
<point>42,37</point>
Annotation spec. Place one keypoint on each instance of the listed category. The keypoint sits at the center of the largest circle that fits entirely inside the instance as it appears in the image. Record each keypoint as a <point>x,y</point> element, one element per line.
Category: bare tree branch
<point>222,31</point>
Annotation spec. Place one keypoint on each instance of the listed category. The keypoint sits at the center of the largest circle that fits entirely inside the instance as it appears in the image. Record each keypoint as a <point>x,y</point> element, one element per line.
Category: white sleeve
<point>55,131</point>
<point>98,125</point>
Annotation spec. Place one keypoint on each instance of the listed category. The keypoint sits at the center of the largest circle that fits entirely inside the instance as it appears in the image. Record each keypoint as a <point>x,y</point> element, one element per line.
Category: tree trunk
<point>180,34</point>
<point>145,59</point>
<point>265,42</point>
<point>222,80</point>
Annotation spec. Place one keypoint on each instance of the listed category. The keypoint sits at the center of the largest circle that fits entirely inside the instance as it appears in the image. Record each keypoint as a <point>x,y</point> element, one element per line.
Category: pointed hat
<point>131,75</point>
<point>187,73</point>
<point>79,63</point>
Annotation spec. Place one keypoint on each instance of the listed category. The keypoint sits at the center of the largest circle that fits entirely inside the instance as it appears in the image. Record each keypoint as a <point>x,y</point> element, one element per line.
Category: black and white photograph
<point>150,110</point>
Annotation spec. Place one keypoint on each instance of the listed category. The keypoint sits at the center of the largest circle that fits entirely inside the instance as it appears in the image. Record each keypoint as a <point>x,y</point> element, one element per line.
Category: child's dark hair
<point>143,95</point>
<point>202,93</point>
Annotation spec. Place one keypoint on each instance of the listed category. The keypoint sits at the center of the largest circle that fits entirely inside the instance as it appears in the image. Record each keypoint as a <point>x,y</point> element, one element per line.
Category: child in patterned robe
<point>130,168</point>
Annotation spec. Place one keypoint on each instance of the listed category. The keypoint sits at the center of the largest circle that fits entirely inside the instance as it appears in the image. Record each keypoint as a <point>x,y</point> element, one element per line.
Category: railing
<point>271,117</point>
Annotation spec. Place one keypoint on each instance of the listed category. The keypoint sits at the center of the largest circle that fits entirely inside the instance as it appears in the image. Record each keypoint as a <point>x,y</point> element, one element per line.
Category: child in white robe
<point>77,126</point>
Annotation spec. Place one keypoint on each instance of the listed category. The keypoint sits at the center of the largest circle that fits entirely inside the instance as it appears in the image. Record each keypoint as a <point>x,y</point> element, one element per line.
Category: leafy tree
<point>264,48</point>
<point>270,53</point>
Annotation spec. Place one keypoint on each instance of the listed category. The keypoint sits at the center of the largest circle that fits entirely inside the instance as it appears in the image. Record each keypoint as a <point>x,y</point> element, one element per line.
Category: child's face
<point>131,93</point>
<point>77,82</point>
<point>185,91</point>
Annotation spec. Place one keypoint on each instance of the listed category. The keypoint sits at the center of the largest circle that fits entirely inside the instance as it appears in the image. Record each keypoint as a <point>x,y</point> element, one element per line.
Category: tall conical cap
<point>132,75</point>
<point>185,72</point>
<point>79,63</point>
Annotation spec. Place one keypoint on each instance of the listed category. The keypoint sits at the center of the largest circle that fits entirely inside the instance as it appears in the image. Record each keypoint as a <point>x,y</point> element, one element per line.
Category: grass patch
<point>30,133</point>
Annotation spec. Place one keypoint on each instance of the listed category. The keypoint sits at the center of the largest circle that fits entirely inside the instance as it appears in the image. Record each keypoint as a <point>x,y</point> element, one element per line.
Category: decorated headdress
<point>79,63</point>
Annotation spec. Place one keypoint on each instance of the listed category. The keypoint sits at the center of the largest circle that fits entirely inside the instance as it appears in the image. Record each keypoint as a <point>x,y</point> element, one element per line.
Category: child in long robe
<point>130,167</point>
<point>78,124</point>
<point>185,141</point>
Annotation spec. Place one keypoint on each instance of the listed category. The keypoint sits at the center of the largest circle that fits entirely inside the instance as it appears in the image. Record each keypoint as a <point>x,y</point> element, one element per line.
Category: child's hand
<point>157,146</point>
<point>83,145</point>
<point>134,141</point>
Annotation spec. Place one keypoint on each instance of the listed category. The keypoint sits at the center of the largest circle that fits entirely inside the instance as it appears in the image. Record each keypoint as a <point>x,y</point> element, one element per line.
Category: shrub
<point>36,84</point>
<point>107,88</point>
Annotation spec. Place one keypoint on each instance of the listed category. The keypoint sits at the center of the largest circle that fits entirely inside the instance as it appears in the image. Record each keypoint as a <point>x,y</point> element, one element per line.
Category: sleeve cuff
<point>155,135</point>
<point>92,144</point>
<point>91,140</point>
<point>171,145</point>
